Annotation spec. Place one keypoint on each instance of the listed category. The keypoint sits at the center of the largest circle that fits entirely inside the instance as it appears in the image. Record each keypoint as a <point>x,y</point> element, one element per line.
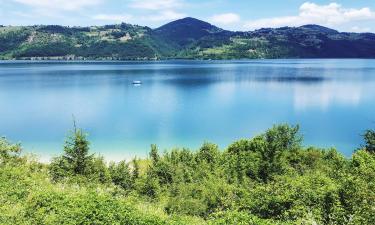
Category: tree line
<point>268,179</point>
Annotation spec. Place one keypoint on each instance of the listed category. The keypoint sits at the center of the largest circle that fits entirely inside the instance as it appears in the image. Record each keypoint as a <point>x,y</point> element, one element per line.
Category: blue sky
<point>344,15</point>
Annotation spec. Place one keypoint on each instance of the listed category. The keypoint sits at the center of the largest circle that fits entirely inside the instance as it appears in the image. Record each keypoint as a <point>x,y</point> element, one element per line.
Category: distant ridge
<point>320,28</point>
<point>186,38</point>
<point>185,30</point>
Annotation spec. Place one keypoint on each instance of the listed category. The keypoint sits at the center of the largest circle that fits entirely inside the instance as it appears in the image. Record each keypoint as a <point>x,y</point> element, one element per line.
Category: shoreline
<point>53,59</point>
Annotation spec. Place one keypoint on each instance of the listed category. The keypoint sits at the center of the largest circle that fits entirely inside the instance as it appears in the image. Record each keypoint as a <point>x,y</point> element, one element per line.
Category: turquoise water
<point>184,103</point>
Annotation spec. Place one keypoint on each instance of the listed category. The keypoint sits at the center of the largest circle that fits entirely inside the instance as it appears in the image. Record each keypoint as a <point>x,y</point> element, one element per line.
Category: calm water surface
<point>184,103</point>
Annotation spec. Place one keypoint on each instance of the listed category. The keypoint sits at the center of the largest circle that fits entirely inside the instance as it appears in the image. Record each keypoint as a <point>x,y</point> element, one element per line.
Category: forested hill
<point>185,38</point>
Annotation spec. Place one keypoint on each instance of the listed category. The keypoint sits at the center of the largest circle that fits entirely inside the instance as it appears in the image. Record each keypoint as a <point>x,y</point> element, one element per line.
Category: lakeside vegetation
<point>186,38</point>
<point>268,179</point>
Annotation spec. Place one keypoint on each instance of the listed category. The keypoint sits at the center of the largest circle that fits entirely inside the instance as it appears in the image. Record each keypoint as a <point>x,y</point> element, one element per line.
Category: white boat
<point>137,82</point>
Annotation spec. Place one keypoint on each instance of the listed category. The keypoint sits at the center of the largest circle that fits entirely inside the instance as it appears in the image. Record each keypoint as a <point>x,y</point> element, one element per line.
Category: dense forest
<point>271,178</point>
<point>186,38</point>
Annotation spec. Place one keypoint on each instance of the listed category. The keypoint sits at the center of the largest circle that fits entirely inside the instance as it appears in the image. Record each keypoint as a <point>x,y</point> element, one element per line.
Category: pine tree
<point>76,151</point>
<point>135,171</point>
<point>154,154</point>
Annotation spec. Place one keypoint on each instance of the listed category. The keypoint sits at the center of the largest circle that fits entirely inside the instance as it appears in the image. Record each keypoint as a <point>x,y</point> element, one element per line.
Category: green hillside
<point>186,38</point>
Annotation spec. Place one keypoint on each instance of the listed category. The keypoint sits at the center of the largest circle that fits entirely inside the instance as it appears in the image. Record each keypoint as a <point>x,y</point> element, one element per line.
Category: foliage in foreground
<point>268,179</point>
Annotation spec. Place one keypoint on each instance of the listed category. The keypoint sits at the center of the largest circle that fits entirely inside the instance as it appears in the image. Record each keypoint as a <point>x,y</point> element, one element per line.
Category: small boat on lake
<point>137,82</point>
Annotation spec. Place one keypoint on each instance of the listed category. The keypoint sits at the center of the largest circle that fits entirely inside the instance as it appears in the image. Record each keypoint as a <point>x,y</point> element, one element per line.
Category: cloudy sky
<point>344,15</point>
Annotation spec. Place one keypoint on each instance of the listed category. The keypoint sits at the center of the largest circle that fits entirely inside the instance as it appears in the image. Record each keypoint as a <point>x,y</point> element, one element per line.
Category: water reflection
<point>183,103</point>
<point>324,95</point>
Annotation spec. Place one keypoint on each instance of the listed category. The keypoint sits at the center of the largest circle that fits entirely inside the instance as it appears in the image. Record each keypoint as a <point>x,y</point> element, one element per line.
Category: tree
<point>278,141</point>
<point>76,159</point>
<point>8,151</point>
<point>120,174</point>
<point>136,169</point>
<point>76,151</point>
<point>243,157</point>
<point>154,155</point>
<point>150,187</point>
<point>209,153</point>
<point>369,137</point>
<point>97,170</point>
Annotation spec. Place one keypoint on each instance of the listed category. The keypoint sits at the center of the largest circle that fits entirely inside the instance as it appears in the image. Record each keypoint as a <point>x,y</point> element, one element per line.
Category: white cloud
<point>161,10</point>
<point>358,29</point>
<point>59,4</point>
<point>156,4</point>
<point>310,13</point>
<point>113,17</point>
<point>226,18</point>
<point>165,15</point>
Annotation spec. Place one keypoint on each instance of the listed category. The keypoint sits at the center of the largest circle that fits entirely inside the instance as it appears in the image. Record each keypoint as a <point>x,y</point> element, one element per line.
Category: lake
<point>184,103</point>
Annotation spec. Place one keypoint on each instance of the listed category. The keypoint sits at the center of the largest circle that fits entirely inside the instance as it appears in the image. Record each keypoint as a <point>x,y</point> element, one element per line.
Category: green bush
<point>269,179</point>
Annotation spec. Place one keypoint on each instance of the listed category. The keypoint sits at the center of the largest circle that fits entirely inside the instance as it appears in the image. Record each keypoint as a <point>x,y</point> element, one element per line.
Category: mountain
<point>317,28</point>
<point>187,30</point>
<point>186,38</point>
